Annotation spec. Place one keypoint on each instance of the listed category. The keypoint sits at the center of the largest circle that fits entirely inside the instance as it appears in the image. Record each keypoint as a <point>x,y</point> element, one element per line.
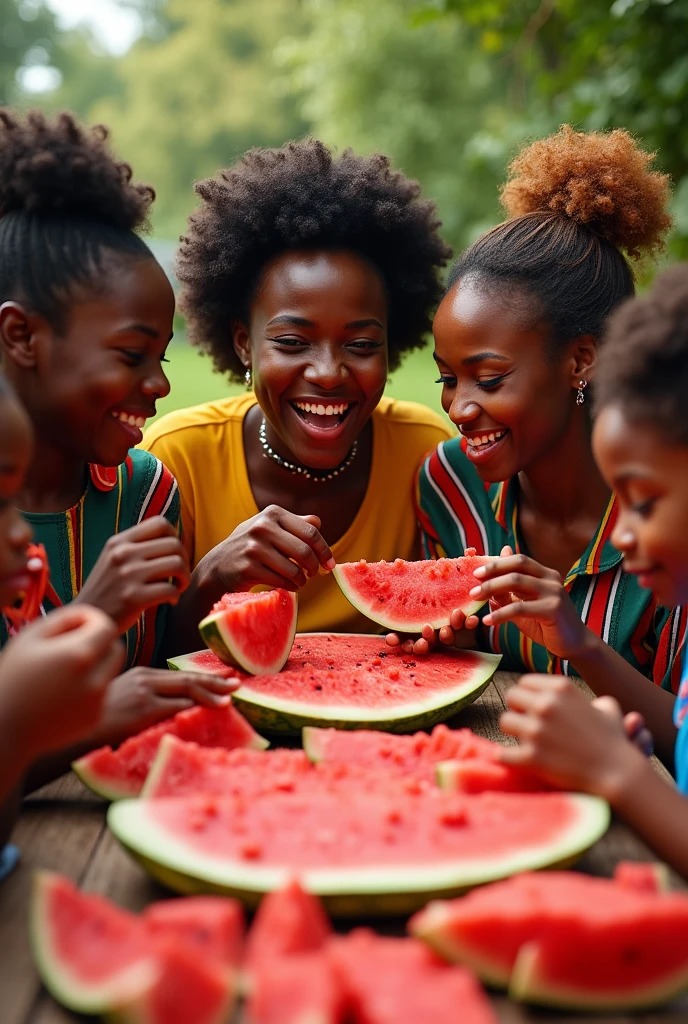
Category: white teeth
<point>329,411</point>
<point>491,437</point>
<point>478,442</point>
<point>322,410</point>
<point>129,418</point>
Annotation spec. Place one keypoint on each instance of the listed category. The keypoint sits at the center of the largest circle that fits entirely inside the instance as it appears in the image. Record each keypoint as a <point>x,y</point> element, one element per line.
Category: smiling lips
<point>322,410</point>
<point>318,414</point>
<point>479,442</point>
<point>129,419</point>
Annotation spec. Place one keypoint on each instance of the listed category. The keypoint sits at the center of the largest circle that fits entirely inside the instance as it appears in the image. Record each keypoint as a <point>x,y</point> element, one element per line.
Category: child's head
<point>316,272</point>
<point>640,437</point>
<point>519,326</point>
<point>16,445</point>
<point>85,309</point>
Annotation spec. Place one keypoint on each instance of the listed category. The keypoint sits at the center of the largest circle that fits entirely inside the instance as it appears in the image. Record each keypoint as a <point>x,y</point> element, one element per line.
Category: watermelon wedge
<point>289,921</point>
<point>91,955</point>
<point>385,851</point>
<point>115,774</point>
<point>641,876</point>
<point>299,989</point>
<point>355,682</point>
<point>406,596</point>
<point>566,940</point>
<point>213,925</point>
<point>478,775</point>
<point>399,981</point>
<point>254,632</point>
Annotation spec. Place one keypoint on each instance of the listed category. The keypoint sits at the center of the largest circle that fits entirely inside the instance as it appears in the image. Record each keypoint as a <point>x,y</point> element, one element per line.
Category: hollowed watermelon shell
<point>352,681</point>
<point>116,774</point>
<point>565,939</point>
<point>253,632</point>
<point>371,852</point>
<point>406,596</point>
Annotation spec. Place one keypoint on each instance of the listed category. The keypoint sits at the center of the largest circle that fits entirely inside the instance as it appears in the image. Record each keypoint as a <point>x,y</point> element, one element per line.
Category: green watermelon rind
<point>279,716</point>
<point>525,986</point>
<point>103,997</point>
<point>222,643</point>
<point>94,782</point>
<point>388,621</point>
<point>346,891</point>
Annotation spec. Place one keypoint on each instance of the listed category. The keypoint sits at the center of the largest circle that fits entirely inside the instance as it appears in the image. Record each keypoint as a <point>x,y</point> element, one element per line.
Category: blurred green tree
<point>28,40</point>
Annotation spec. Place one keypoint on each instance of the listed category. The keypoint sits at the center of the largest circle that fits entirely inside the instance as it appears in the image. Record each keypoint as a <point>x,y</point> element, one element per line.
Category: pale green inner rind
<point>526,985</point>
<point>130,823</point>
<point>94,782</point>
<point>434,927</point>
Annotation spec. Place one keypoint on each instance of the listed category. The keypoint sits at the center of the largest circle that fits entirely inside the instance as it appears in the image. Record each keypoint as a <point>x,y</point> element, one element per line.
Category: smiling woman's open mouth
<point>323,415</point>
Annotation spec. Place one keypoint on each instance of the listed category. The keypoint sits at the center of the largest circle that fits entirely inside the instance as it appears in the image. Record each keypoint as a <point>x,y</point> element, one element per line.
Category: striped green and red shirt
<point>114,499</point>
<point>456,510</point>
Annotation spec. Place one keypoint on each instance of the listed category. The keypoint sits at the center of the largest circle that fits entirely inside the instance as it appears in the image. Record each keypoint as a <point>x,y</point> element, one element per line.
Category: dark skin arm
<point>576,745</point>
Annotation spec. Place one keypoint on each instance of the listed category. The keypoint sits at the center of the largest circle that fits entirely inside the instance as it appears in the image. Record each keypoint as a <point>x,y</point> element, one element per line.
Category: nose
<point>462,410</point>
<point>622,536</point>
<point>155,384</point>
<point>327,370</point>
<point>19,533</point>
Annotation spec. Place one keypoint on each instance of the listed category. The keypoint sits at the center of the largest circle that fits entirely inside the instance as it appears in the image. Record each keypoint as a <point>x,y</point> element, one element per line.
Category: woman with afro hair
<point>309,276</point>
<point>516,342</point>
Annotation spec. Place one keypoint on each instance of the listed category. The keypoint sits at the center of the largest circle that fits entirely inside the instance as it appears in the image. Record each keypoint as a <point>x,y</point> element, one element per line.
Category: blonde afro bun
<point>601,179</point>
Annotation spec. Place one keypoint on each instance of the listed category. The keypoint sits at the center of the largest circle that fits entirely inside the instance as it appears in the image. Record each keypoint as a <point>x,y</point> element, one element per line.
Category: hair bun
<point>56,166</point>
<point>601,179</point>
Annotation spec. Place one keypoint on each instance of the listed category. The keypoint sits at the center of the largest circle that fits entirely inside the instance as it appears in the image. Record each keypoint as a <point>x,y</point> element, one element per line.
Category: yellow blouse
<point>203,448</point>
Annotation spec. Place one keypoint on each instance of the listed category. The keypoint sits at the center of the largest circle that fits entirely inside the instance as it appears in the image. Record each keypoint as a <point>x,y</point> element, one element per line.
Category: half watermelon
<point>374,851</point>
<point>406,596</point>
<point>354,682</point>
<point>115,774</point>
<point>253,632</point>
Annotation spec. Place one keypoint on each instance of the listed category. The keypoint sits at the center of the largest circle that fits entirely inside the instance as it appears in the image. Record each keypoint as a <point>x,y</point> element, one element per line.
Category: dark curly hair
<point>577,202</point>
<point>297,197</point>
<point>643,366</point>
<point>64,202</point>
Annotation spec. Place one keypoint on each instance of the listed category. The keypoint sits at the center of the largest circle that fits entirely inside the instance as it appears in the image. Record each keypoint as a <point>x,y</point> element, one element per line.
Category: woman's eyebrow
<point>367,322</point>
<point>478,357</point>
<point>286,318</point>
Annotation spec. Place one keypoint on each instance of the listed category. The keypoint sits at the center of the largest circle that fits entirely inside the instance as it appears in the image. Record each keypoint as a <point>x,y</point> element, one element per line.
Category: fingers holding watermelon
<point>459,633</point>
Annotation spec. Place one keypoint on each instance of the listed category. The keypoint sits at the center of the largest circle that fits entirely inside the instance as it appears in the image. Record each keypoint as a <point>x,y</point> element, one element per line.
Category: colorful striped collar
<point>600,553</point>
<point>104,478</point>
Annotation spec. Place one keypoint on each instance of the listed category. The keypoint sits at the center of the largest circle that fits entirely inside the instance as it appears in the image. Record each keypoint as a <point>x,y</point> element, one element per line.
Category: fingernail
<point>330,563</point>
<point>475,592</point>
<point>487,621</point>
<point>479,572</point>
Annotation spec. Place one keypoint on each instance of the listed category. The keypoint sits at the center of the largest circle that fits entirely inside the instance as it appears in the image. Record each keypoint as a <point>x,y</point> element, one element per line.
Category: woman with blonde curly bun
<point>516,341</point>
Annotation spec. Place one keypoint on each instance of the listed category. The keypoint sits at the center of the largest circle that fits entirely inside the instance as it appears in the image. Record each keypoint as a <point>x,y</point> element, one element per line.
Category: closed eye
<point>493,382</point>
<point>449,382</point>
<point>643,507</point>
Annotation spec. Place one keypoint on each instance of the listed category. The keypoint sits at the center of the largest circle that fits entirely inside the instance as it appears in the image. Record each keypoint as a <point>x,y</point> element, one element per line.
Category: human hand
<point>143,696</point>
<point>449,635</point>
<point>53,678</point>
<point>275,548</point>
<point>633,723</point>
<point>139,568</point>
<point>533,597</point>
<point>566,738</point>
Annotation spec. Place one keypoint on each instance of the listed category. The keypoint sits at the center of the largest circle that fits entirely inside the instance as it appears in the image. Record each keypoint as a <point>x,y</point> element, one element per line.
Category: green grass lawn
<point>193,380</point>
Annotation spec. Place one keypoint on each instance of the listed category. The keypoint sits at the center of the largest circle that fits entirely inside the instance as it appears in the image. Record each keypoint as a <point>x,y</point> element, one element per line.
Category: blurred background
<point>447,88</point>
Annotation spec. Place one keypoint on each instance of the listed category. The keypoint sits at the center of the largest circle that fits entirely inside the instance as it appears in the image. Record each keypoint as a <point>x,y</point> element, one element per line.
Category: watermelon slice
<point>190,990</point>
<point>641,876</point>
<point>355,682</point>
<point>115,774</point>
<point>254,632</point>
<point>302,989</point>
<point>213,925</point>
<point>566,940</point>
<point>91,955</point>
<point>409,595</point>
<point>477,775</point>
<point>289,921</point>
<point>385,851</point>
<point>399,981</point>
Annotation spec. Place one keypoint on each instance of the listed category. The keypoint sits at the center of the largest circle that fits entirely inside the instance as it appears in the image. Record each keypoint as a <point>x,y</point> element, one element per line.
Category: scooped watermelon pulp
<point>376,851</point>
<point>566,939</point>
<point>253,632</point>
<point>120,773</point>
<point>354,682</point>
<point>408,595</point>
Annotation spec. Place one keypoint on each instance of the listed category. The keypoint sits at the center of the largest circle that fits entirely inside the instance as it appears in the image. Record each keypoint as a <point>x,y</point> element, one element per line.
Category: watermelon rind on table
<point>252,631</point>
<point>353,849</point>
<point>353,681</point>
<point>405,596</point>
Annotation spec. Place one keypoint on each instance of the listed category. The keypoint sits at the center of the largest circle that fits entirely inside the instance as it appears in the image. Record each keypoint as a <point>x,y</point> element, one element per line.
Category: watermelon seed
<point>318,686</point>
<point>380,598</point>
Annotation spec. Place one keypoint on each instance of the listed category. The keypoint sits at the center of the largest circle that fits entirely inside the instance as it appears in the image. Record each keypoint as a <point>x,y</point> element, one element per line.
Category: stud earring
<point>580,395</point>
<point>248,380</point>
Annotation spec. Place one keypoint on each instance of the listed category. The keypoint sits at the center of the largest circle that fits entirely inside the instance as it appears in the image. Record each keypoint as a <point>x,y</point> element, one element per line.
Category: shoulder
<point>152,488</point>
<point>447,470</point>
<point>411,419</point>
<point>183,424</point>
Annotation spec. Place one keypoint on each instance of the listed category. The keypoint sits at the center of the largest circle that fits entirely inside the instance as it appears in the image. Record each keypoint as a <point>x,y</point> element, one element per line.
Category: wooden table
<point>62,828</point>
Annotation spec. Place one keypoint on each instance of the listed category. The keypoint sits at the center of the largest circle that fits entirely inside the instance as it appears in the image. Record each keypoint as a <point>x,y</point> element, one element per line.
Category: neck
<point>565,483</point>
<point>54,482</point>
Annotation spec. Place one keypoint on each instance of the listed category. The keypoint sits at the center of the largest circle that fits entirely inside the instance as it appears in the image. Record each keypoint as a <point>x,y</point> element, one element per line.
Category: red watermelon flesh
<point>642,876</point>
<point>190,990</point>
<point>399,981</point>
<point>120,773</point>
<point>408,595</point>
<point>252,631</point>
<point>288,921</point>
<point>299,989</point>
<point>476,775</point>
<point>565,937</point>
<point>213,925</point>
<point>90,954</point>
